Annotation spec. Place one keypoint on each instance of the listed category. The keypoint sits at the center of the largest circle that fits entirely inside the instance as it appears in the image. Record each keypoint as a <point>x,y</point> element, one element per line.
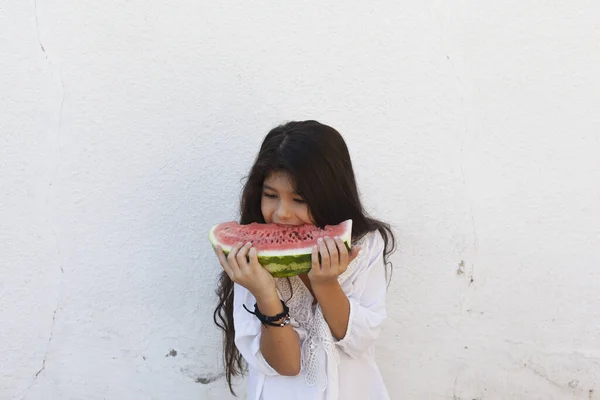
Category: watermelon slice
<point>282,250</point>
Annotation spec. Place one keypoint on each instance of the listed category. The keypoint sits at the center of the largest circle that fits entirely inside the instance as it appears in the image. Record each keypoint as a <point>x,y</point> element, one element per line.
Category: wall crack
<point>461,93</point>
<point>37,28</point>
<point>54,71</point>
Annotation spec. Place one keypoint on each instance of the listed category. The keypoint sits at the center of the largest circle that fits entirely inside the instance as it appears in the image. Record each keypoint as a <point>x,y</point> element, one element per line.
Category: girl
<point>321,342</point>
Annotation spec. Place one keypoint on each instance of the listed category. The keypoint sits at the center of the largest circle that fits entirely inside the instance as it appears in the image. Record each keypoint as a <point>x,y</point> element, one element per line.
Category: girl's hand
<point>334,260</point>
<point>243,268</point>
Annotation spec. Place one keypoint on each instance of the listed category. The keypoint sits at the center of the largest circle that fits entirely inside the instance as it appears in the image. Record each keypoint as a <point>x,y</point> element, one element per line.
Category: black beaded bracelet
<point>267,320</point>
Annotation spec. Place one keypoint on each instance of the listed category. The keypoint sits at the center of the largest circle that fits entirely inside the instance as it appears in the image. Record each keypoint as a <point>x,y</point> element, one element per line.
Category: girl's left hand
<point>335,259</point>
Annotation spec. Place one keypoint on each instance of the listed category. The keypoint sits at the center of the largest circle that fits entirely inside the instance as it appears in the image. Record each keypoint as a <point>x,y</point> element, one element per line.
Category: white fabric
<point>330,369</point>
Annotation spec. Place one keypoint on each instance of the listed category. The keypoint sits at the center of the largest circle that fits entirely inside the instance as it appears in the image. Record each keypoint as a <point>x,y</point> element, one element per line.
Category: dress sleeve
<point>366,292</point>
<point>248,331</point>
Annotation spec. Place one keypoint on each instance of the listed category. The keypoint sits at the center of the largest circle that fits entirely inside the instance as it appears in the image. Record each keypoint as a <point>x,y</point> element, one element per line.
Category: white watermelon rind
<point>284,263</point>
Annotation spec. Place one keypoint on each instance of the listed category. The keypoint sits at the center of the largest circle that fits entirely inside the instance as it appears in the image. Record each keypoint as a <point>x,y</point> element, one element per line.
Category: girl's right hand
<point>249,274</point>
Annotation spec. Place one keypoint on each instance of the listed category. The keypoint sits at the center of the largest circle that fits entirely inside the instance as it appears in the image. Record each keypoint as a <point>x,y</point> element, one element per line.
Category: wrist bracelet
<point>267,320</point>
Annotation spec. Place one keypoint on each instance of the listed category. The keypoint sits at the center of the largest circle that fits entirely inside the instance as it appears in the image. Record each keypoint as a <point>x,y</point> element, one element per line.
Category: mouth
<point>288,225</point>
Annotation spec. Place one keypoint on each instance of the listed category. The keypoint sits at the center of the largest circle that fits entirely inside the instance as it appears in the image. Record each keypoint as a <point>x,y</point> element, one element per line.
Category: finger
<point>242,256</point>
<point>232,260</point>
<point>316,266</point>
<point>223,260</point>
<point>343,252</point>
<point>325,260</point>
<point>354,253</point>
<point>253,256</point>
<point>334,256</point>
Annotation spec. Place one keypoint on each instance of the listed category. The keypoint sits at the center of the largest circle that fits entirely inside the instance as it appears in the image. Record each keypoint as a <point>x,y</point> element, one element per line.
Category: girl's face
<point>280,203</point>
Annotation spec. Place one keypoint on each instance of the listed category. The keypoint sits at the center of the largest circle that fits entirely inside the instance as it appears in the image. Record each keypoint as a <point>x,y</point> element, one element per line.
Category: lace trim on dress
<point>319,341</point>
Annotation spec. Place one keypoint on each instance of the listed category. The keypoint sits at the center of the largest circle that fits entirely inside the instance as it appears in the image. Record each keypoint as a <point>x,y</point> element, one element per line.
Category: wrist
<point>323,286</point>
<point>329,282</point>
<point>265,293</point>
<point>268,302</point>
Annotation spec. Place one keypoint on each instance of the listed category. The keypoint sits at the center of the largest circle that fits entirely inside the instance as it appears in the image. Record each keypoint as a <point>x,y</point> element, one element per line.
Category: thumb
<point>354,252</point>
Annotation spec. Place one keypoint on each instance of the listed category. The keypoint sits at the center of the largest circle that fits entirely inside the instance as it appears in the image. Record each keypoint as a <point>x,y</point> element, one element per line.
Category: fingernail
<point>248,244</point>
<point>320,240</point>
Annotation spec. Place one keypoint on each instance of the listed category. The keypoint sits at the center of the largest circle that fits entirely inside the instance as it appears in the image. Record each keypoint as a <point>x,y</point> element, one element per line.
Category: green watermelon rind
<point>287,263</point>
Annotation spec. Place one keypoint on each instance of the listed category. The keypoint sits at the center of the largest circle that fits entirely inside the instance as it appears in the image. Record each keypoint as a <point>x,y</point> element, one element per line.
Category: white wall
<point>126,127</point>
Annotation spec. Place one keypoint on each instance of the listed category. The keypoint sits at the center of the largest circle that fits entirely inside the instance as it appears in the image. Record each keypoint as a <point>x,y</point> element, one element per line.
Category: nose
<point>283,212</point>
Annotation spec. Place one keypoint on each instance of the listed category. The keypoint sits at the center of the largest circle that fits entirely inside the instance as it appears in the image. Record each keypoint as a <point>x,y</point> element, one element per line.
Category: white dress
<point>330,369</point>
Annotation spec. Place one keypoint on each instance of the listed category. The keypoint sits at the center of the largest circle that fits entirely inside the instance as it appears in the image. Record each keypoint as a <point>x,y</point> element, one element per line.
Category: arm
<point>270,349</point>
<point>367,307</point>
<point>355,313</point>
<point>335,306</point>
<point>279,345</point>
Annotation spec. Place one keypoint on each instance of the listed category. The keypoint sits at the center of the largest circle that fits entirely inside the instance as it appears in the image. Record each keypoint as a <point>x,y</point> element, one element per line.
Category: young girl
<point>322,344</point>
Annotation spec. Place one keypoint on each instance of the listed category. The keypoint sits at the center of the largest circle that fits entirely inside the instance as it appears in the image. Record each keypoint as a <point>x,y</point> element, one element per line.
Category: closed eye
<point>300,201</point>
<point>269,195</point>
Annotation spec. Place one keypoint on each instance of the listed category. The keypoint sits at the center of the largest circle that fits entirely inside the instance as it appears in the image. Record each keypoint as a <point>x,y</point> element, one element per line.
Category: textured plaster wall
<point>127,126</point>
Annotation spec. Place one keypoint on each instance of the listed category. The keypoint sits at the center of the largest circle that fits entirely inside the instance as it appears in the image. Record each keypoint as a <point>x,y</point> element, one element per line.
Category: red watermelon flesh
<point>282,250</point>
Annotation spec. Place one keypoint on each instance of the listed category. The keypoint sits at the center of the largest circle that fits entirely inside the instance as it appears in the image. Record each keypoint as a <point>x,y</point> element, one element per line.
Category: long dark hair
<point>316,158</point>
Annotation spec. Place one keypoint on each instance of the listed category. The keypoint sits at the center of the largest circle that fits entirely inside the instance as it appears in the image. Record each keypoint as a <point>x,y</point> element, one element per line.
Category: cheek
<point>266,209</point>
<point>305,216</point>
